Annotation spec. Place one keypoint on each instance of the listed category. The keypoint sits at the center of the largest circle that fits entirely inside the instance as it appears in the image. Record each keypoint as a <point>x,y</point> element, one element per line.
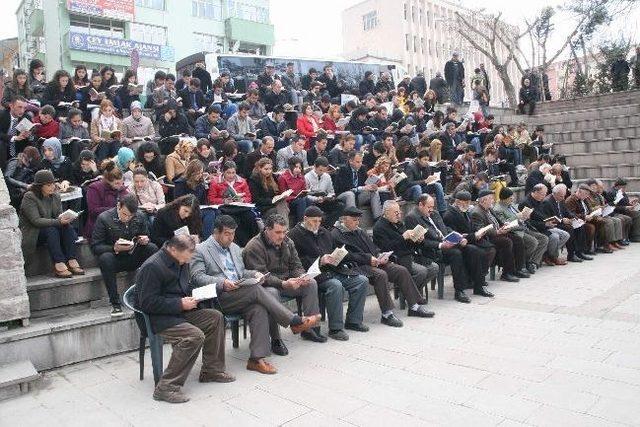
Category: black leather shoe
<point>460,296</point>
<point>584,257</point>
<point>506,277</point>
<point>483,292</point>
<point>420,312</point>
<point>391,320</point>
<point>313,335</point>
<point>531,268</point>
<point>604,251</point>
<point>358,327</point>
<point>522,274</point>
<point>589,253</point>
<point>278,347</point>
<point>574,258</point>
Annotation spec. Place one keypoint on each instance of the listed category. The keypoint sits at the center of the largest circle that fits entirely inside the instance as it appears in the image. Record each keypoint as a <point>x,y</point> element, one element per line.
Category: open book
<point>135,89</point>
<point>95,95</point>
<point>105,134</point>
<point>418,232</point>
<point>184,230</point>
<point>25,125</point>
<point>68,104</point>
<point>75,138</point>
<point>511,225</point>
<point>526,212</point>
<point>436,176</point>
<point>281,196</point>
<point>608,210</point>
<point>597,212</point>
<point>552,219</point>
<point>130,244</point>
<point>205,292</point>
<point>338,255</point>
<point>398,177</point>
<point>384,257</point>
<point>577,223</point>
<point>114,87</point>
<point>453,237</point>
<point>69,213</point>
<point>373,180</point>
<point>257,280</point>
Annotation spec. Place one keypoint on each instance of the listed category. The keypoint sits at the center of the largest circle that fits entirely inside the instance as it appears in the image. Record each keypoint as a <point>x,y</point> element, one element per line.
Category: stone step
<point>633,183</point>
<point>595,146</point>
<point>590,101</point>
<point>604,122</point>
<point>40,263</point>
<point>594,133</point>
<point>606,171</point>
<point>57,341</point>
<point>16,378</point>
<point>603,158</point>
<point>49,295</point>
<point>584,114</point>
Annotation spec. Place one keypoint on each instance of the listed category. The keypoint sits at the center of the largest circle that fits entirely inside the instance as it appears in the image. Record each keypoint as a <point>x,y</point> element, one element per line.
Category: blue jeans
<point>515,154</point>
<point>412,193</point>
<point>298,206</point>
<point>437,191</point>
<point>60,241</point>
<point>228,110</point>
<point>476,144</point>
<point>356,286</point>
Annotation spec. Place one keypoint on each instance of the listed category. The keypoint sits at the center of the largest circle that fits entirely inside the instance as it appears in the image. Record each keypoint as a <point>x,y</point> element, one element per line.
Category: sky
<point>298,23</point>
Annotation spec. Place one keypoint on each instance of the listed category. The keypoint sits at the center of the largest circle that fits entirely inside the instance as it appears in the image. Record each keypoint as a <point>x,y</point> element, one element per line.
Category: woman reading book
<point>106,131</point>
<point>264,190</point>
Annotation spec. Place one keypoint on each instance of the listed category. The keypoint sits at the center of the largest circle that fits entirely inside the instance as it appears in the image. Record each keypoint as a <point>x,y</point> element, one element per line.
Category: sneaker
<point>116,310</point>
<point>339,335</point>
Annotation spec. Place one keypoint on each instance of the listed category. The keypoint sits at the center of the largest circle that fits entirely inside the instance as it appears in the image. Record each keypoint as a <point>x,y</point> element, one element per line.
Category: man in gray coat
<point>218,261</point>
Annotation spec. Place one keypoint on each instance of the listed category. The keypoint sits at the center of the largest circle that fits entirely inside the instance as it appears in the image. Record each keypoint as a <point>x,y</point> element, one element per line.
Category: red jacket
<point>49,130</point>
<point>305,128</point>
<point>328,124</point>
<point>217,191</point>
<point>287,181</point>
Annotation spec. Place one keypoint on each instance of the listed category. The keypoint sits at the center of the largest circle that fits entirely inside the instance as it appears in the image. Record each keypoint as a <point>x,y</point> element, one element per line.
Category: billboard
<point>123,10</point>
<point>122,47</point>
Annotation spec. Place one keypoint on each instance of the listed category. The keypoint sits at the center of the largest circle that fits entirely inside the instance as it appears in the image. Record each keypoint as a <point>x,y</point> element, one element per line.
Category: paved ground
<point>560,349</point>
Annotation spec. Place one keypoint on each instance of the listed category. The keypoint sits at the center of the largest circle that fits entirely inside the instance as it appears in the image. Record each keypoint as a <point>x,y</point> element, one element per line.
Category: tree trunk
<point>509,89</point>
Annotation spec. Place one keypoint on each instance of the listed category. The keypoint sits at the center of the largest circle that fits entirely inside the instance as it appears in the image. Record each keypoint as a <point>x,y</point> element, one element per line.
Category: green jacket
<point>37,213</point>
<point>504,215</point>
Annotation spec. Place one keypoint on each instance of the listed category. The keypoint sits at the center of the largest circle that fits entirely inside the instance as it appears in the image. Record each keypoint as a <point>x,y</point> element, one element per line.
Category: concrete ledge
<point>16,378</point>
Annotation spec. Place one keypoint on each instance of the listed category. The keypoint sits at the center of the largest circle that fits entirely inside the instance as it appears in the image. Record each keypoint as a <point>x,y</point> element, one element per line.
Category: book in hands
<point>105,134</point>
<point>25,125</point>
<point>113,88</point>
<point>135,89</point>
<point>454,238</point>
<point>125,242</point>
<point>302,193</point>
<point>76,139</point>
<point>577,223</point>
<point>552,219</point>
<point>369,129</point>
<point>398,177</point>
<point>418,233</point>
<point>70,214</point>
<point>484,230</point>
<point>184,230</point>
<point>435,177</point>
<point>373,180</point>
<point>526,212</point>
<point>281,196</point>
<point>68,104</point>
<point>384,257</point>
<point>511,225</point>
<point>608,210</point>
<point>597,212</point>
<point>95,95</point>
<point>204,292</point>
<point>338,255</point>
<point>257,280</point>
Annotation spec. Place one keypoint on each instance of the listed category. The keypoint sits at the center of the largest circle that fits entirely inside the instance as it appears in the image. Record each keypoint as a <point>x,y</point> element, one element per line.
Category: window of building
<point>96,26</point>
<point>428,18</point>
<point>148,33</point>
<point>151,4</point>
<point>430,47</point>
<point>207,43</point>
<point>370,20</point>
<point>415,43</point>
<point>422,45</point>
<point>248,12</point>
<point>421,15</point>
<point>207,9</point>
<point>407,42</point>
<point>406,11</point>
<point>414,15</point>
<point>437,49</point>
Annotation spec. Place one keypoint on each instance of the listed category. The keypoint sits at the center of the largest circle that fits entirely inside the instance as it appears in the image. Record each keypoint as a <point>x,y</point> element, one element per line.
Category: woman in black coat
<point>59,89</point>
<point>183,211</point>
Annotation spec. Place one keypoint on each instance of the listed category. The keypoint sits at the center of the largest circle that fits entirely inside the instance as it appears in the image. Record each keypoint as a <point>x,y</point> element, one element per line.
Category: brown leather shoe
<point>308,322</point>
<point>549,261</point>
<point>559,261</point>
<point>216,377</point>
<point>75,268</point>
<point>262,366</point>
<point>60,270</point>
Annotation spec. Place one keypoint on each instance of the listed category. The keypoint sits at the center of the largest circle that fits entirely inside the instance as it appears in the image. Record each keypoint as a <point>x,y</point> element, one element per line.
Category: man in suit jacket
<point>366,255</point>
<point>535,243</point>
<point>390,234</point>
<point>466,264</point>
<point>617,196</point>
<point>421,179</point>
<point>553,205</point>
<point>13,142</point>
<point>219,261</point>
<point>352,179</point>
<point>509,249</point>
<point>163,292</point>
<point>576,204</point>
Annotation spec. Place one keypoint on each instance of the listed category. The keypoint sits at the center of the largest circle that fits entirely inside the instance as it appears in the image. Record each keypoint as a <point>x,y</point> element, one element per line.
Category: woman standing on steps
<point>42,224</point>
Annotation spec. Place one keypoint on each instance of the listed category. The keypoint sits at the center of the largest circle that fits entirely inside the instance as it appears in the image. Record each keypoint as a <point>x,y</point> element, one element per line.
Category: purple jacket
<point>100,197</point>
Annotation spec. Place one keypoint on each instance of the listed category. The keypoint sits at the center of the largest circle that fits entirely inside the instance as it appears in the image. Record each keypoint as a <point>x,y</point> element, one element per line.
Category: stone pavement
<point>552,350</point>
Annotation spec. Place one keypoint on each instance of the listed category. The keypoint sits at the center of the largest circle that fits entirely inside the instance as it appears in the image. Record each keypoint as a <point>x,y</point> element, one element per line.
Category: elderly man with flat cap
<point>378,268</point>
<point>316,244</point>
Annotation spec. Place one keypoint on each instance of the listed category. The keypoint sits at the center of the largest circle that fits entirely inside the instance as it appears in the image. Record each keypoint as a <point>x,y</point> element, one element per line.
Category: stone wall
<point>14,302</point>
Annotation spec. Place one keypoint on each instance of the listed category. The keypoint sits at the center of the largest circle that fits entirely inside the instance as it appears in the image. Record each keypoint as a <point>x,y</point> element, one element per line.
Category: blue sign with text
<point>122,47</point>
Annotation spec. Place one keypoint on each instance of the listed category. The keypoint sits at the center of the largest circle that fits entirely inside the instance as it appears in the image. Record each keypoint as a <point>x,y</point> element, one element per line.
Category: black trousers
<point>454,257</point>
<point>332,211</point>
<point>519,254</point>
<point>577,239</point>
<point>110,264</point>
<point>478,260</point>
<point>504,252</point>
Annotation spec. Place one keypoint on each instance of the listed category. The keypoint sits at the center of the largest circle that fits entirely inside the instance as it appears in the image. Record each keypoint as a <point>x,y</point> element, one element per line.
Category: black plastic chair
<point>155,341</point>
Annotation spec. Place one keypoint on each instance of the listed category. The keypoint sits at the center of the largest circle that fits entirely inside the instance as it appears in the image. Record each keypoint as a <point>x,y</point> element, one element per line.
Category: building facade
<point>417,35</point>
<point>64,33</point>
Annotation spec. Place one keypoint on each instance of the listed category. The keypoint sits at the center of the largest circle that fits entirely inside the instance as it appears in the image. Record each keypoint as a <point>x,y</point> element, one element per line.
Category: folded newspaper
<point>184,230</point>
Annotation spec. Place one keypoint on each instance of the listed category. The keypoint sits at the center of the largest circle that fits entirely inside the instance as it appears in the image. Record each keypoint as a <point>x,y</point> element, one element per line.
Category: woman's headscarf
<point>54,144</point>
<point>124,157</point>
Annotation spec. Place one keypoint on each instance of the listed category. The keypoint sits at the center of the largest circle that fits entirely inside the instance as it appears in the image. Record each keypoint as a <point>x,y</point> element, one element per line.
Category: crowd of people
<point>262,198</point>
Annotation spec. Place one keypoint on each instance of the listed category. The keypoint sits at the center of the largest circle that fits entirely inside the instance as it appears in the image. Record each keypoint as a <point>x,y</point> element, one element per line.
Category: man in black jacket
<point>454,75</point>
<point>163,292</point>
<point>419,84</point>
<point>421,178</point>
<point>315,243</point>
<point>193,102</point>
<point>122,222</point>
<point>330,81</point>
<point>617,196</point>
<point>201,73</point>
<point>439,86</point>
<point>367,85</point>
<point>553,205</point>
<point>275,95</point>
<point>465,262</point>
<point>390,234</point>
<point>378,268</point>
<point>13,142</point>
